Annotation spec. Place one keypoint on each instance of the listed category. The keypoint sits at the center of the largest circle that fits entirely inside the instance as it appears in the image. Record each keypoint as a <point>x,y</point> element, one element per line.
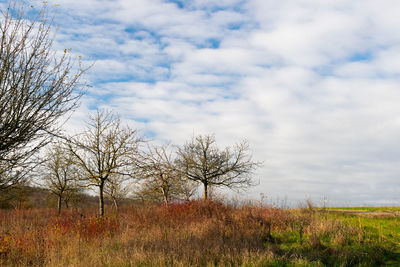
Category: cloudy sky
<point>313,85</point>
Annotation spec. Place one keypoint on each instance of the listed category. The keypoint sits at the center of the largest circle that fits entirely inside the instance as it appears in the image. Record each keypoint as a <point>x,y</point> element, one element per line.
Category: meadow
<point>197,233</point>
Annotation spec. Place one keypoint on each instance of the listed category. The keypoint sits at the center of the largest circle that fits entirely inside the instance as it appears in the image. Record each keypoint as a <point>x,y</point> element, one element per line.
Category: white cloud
<point>313,85</point>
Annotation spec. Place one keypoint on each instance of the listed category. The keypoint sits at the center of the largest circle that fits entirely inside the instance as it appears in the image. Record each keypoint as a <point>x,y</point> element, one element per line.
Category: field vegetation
<point>148,213</point>
<point>196,233</point>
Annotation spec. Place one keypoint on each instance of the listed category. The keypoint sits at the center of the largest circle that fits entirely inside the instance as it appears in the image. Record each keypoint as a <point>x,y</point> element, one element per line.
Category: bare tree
<point>162,175</point>
<point>74,195</point>
<point>202,161</point>
<point>59,174</point>
<point>105,150</point>
<point>37,87</point>
<point>188,190</point>
<point>117,188</point>
<point>145,192</point>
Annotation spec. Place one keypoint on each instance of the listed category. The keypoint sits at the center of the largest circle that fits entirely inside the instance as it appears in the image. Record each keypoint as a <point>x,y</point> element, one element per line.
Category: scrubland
<point>197,233</point>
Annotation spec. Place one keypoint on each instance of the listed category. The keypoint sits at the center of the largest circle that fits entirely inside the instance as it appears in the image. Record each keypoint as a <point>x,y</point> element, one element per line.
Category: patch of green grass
<point>371,209</point>
<point>338,239</point>
<point>375,236</point>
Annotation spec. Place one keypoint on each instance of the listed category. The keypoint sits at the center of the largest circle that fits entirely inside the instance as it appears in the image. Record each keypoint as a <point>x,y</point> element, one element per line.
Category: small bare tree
<point>117,188</point>
<point>188,190</point>
<point>161,174</point>
<point>37,88</point>
<point>105,150</point>
<point>59,174</point>
<point>202,161</point>
<point>145,192</point>
<point>74,195</point>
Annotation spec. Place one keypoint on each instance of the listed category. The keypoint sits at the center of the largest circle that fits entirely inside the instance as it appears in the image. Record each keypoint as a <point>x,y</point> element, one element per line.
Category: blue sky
<point>314,86</point>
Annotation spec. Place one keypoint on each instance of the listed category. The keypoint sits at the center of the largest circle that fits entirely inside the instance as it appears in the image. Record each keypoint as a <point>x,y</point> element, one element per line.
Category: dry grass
<point>191,234</point>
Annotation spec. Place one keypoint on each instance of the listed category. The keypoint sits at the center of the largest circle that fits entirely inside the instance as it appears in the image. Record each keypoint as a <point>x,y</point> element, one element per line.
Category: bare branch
<point>38,87</point>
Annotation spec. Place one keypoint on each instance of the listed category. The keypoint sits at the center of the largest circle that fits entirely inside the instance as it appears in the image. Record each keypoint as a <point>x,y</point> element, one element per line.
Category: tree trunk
<point>115,204</point>
<point>205,196</point>
<point>101,200</point>
<point>165,196</point>
<point>59,205</point>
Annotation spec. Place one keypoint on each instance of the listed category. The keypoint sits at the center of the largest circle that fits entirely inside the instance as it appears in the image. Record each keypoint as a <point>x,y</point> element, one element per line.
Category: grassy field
<point>197,234</point>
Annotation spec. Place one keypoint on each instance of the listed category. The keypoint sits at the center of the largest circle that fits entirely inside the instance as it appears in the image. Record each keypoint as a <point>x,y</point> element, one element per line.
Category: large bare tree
<point>59,174</point>
<point>104,151</point>
<point>201,160</point>
<point>38,86</point>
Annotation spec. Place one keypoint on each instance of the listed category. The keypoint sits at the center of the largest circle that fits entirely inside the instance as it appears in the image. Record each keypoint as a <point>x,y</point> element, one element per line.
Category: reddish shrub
<point>95,227</point>
<point>91,227</point>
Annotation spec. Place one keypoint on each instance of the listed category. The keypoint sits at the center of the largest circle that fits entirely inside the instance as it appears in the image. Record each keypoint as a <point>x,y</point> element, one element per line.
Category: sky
<point>313,85</point>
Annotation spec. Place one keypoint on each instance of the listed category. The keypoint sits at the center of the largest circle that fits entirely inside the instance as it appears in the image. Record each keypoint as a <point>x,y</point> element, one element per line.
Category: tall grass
<point>196,233</point>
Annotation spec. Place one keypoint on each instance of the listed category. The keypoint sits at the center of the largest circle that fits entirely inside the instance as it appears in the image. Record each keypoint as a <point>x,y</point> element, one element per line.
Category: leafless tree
<point>38,87</point>
<point>188,190</point>
<point>105,150</point>
<point>59,174</point>
<point>74,195</point>
<point>202,161</point>
<point>117,188</point>
<point>145,192</point>
<point>161,175</point>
